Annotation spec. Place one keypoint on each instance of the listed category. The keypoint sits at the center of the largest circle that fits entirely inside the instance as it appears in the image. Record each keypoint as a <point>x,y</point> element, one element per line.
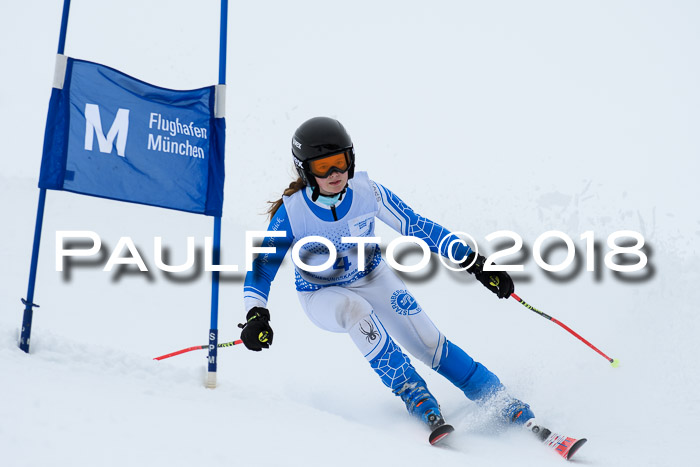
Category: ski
<point>565,446</point>
<point>440,433</point>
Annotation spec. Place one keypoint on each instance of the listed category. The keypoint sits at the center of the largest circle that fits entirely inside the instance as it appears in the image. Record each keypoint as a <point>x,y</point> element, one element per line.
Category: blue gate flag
<point>113,136</point>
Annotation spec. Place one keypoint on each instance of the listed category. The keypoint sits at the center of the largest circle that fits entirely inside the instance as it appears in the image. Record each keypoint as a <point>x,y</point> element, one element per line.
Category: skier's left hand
<point>498,282</point>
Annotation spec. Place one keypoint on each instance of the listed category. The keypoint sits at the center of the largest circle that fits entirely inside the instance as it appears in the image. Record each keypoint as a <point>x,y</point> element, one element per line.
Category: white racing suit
<point>371,303</point>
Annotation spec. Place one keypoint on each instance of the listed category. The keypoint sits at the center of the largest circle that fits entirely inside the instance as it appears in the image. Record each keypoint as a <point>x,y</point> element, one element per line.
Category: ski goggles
<point>324,166</point>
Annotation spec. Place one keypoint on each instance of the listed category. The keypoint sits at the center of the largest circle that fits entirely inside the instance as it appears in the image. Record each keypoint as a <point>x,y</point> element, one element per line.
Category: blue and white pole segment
<point>216,257</point>
<point>29,305</point>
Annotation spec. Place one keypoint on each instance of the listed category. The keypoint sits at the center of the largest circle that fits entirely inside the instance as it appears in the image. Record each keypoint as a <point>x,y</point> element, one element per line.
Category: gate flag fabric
<point>113,136</point>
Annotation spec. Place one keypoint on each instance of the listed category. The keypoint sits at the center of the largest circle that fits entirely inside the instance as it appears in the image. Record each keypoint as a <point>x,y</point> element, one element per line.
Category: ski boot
<point>517,412</point>
<point>420,403</point>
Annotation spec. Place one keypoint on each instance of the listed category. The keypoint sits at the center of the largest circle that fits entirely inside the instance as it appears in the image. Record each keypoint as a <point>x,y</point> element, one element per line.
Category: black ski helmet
<point>316,138</point>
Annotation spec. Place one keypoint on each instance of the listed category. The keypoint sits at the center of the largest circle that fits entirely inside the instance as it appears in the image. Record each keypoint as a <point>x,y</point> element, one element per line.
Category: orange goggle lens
<point>323,167</point>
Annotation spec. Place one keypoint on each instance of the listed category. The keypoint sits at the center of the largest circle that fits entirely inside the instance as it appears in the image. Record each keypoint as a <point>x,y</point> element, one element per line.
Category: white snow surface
<point>484,116</point>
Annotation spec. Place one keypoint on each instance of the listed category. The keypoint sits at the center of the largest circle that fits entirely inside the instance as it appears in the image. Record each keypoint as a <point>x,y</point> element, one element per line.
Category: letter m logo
<point>119,130</point>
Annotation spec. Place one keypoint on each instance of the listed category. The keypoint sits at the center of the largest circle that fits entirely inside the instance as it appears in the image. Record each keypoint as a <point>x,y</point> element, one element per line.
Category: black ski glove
<point>257,333</point>
<point>498,282</point>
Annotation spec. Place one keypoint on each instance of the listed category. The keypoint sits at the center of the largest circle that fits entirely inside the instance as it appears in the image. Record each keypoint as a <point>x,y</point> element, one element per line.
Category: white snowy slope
<point>522,116</point>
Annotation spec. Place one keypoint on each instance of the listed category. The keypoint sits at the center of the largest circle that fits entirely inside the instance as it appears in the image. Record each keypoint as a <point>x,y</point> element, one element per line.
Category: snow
<point>521,116</point>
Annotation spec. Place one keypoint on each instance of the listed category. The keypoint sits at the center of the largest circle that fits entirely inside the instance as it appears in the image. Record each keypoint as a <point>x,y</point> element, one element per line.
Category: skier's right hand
<point>257,333</point>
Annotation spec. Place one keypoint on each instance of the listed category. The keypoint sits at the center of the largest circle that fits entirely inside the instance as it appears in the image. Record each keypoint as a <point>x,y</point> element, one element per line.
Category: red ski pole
<point>613,361</point>
<point>197,347</point>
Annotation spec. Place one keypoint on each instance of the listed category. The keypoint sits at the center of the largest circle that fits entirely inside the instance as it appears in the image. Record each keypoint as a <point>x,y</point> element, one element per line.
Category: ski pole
<point>613,361</point>
<point>197,347</point>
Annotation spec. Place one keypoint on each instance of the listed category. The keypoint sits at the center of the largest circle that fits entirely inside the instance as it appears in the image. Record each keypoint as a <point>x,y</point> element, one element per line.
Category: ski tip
<point>440,433</point>
<point>615,363</point>
<point>575,447</point>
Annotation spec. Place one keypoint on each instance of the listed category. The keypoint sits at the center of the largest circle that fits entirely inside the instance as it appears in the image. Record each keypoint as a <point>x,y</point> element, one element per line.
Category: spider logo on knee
<point>371,334</point>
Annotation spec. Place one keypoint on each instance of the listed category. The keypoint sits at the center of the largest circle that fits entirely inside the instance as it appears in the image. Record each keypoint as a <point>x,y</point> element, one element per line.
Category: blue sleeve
<point>256,287</point>
<point>402,218</point>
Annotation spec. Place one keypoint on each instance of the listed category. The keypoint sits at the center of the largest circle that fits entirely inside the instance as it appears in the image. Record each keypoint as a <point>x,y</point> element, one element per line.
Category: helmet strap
<point>316,192</point>
<point>343,192</point>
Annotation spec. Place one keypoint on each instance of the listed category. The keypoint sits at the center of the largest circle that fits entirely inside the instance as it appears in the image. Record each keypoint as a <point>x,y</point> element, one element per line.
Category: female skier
<point>360,295</point>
